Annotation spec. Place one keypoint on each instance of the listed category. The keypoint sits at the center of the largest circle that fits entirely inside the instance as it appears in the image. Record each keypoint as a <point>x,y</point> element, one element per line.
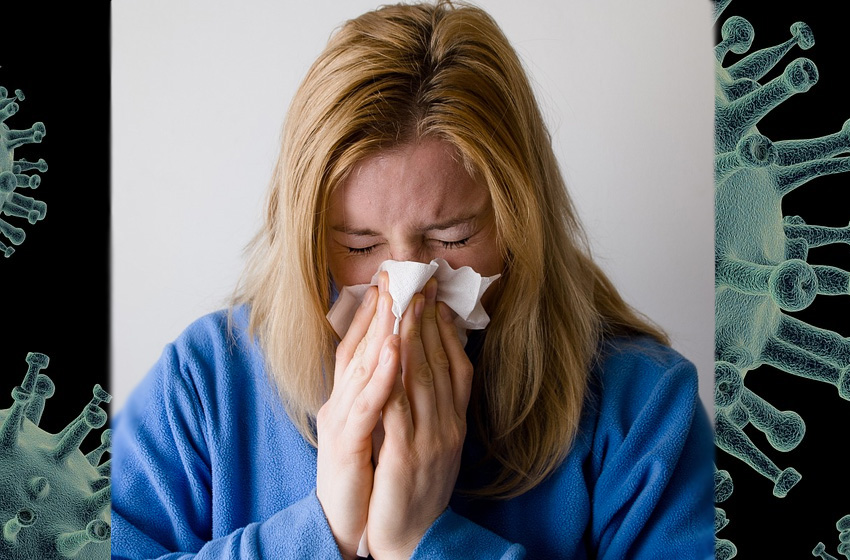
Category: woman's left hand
<point>424,425</point>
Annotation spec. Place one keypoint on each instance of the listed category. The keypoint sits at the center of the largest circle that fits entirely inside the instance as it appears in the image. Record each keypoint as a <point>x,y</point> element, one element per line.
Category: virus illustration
<point>12,173</point>
<point>843,526</point>
<point>54,501</point>
<point>761,273</point>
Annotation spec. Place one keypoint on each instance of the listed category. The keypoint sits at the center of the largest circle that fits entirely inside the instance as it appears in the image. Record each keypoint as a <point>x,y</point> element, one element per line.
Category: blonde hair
<point>396,75</point>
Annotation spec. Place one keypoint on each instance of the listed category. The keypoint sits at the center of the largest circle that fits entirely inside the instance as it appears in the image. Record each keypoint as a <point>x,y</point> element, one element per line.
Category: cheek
<point>486,258</point>
<point>349,271</point>
<point>490,263</point>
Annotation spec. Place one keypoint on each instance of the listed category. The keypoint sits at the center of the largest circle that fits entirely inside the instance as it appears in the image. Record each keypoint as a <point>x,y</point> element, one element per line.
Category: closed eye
<point>361,250</point>
<point>446,245</point>
<point>454,244</point>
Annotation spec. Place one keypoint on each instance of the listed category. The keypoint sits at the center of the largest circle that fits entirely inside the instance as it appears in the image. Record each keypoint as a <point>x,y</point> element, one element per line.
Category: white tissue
<point>460,289</point>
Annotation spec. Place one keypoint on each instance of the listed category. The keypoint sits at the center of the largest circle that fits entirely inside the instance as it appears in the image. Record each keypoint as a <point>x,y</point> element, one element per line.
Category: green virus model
<point>12,173</point>
<point>723,548</point>
<point>54,501</point>
<point>760,255</point>
<point>843,526</point>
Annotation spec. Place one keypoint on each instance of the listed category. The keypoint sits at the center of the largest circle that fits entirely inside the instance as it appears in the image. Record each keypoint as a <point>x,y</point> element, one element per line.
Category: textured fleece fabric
<point>207,464</point>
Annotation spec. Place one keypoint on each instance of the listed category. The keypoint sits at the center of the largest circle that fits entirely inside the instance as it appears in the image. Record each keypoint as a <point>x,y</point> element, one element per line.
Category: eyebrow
<point>438,226</point>
<point>355,231</point>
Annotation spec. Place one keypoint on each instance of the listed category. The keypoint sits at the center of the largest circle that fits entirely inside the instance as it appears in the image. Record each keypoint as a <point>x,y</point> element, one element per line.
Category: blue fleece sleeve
<point>454,536</point>
<point>162,485</point>
<point>653,496</point>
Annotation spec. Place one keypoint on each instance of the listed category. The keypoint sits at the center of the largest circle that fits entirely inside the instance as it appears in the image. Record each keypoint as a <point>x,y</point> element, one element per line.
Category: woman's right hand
<point>367,363</point>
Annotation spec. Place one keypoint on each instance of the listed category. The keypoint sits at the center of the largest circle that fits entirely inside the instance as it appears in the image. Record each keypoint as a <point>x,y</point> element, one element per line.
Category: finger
<point>438,361</point>
<point>416,372</point>
<point>375,329</point>
<point>367,406</point>
<point>379,330</point>
<point>362,365</point>
<point>460,368</point>
<point>398,422</point>
<point>357,330</point>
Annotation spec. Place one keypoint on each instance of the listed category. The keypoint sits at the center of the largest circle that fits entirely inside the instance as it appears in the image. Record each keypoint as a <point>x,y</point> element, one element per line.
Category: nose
<point>411,252</point>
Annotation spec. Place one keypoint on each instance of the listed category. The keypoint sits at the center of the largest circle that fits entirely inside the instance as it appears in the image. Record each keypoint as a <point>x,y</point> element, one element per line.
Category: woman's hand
<point>424,425</point>
<point>367,365</point>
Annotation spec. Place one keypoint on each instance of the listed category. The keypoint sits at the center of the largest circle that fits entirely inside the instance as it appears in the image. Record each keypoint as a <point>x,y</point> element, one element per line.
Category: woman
<point>568,429</point>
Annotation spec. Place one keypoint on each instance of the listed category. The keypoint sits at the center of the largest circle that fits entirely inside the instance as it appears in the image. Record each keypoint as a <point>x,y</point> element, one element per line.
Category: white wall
<point>200,89</point>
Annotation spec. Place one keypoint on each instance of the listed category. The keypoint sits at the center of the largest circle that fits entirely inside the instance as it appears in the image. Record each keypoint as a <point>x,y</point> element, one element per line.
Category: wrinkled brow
<point>437,226</point>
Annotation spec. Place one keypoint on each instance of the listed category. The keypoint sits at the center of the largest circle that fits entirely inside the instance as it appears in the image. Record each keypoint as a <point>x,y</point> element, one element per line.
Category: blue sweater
<point>206,464</point>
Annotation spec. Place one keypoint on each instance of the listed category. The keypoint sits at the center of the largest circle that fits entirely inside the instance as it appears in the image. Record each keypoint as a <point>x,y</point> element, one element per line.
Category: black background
<point>761,525</point>
<point>56,285</point>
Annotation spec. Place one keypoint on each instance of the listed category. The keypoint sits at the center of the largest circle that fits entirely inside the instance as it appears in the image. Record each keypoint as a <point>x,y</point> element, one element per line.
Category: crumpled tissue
<point>461,289</point>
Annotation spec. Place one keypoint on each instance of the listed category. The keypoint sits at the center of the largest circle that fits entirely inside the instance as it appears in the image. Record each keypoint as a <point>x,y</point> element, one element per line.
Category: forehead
<point>418,181</point>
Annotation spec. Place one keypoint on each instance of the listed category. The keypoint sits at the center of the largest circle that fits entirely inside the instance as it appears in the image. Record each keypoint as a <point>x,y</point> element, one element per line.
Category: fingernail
<point>430,291</point>
<point>418,305</point>
<point>387,352</point>
<point>370,297</point>
<point>383,282</point>
<point>446,313</point>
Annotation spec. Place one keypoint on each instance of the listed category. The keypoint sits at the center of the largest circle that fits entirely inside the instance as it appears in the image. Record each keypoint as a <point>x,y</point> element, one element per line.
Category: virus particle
<point>54,501</point>
<point>13,176</point>
<point>760,255</point>
<point>723,548</point>
<point>843,526</point>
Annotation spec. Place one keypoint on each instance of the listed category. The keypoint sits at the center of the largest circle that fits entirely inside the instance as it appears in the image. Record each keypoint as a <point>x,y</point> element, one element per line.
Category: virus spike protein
<point>12,178</point>
<point>54,500</point>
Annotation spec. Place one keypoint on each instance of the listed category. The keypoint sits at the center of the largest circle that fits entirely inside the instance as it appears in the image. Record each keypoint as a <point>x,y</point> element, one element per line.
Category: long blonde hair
<point>445,70</point>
